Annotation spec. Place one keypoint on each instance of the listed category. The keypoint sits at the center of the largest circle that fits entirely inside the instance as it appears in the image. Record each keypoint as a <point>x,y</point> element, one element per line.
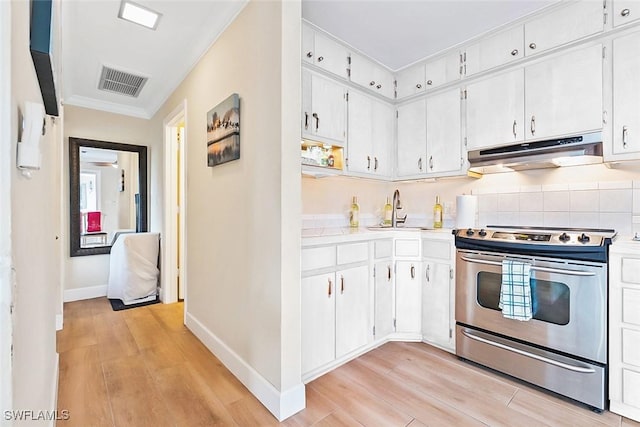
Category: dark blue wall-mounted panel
<point>41,53</point>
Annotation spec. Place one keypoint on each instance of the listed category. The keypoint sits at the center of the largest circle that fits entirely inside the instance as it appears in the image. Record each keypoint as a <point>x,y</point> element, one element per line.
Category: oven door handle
<point>573,368</point>
<point>533,267</point>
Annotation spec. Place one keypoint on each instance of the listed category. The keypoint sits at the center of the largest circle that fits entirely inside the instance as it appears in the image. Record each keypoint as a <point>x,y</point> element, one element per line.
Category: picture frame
<point>223,132</point>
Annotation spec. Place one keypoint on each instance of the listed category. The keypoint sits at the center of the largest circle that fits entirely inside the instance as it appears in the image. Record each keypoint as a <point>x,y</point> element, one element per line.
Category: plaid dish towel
<point>515,291</point>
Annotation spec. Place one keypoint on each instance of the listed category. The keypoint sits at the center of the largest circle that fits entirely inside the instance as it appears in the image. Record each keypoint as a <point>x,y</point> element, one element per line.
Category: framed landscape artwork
<point>223,132</point>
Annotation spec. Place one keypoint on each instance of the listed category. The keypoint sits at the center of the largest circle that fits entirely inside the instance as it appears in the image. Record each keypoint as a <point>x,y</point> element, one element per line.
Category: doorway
<point>174,281</point>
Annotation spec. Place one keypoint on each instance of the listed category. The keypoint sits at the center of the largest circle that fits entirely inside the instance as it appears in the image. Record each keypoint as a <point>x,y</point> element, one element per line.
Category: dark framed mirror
<point>107,193</point>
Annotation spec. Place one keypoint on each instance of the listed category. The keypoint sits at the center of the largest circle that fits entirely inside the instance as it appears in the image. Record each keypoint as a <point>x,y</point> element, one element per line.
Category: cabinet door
<point>353,310</point>
<point>436,303</point>
<point>625,11</point>
<point>360,147</point>
<point>442,70</point>
<point>318,321</point>
<point>410,81</point>
<point>372,76</point>
<point>412,138</point>
<point>307,45</point>
<point>331,56</point>
<point>495,110</point>
<point>382,137</point>
<point>383,299</point>
<point>564,25</point>
<point>626,87</point>
<point>444,140</point>
<point>327,118</point>
<point>496,50</point>
<point>408,296</point>
<point>563,95</point>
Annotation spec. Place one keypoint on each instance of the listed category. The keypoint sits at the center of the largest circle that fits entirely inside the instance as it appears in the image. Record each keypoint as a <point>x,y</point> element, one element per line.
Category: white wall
<point>243,217</point>
<point>35,222</point>
<point>87,274</point>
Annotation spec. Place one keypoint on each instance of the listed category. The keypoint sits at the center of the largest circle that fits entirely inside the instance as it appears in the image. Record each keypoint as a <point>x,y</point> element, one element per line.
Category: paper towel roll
<point>466,208</point>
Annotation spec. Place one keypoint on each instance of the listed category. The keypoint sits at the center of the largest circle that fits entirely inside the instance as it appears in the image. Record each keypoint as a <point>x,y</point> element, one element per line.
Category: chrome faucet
<point>397,205</point>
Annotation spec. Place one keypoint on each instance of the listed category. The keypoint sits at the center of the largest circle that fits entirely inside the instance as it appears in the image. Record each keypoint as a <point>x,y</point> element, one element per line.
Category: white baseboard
<point>59,323</point>
<point>281,404</point>
<point>84,293</point>
<point>54,393</point>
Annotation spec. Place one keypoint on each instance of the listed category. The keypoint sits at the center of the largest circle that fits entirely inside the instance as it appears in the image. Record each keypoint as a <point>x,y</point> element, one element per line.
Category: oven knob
<point>482,232</point>
<point>564,237</point>
<point>470,232</point>
<point>583,238</point>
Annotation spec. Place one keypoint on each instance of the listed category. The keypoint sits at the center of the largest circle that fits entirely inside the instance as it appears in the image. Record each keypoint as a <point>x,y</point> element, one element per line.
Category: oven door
<point>569,302</point>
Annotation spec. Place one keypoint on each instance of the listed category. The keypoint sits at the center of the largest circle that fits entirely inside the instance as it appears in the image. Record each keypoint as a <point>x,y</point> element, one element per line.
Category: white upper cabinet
<point>625,11</point>
<point>444,140</point>
<point>412,139</point>
<point>372,76</point>
<point>370,135</point>
<point>563,94</point>
<point>626,87</point>
<point>443,70</point>
<point>323,52</point>
<point>410,81</point>
<point>324,109</point>
<point>495,110</point>
<point>563,25</point>
<point>493,51</point>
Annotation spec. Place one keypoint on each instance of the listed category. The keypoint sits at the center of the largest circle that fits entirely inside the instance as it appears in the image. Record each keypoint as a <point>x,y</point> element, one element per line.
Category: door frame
<point>174,234</point>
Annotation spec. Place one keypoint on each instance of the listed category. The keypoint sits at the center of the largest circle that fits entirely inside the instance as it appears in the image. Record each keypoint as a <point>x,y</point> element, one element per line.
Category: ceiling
<point>396,33</point>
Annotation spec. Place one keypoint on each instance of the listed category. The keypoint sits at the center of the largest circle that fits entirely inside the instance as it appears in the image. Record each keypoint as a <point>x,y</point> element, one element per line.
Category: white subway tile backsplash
<point>576,186</point>
<point>509,218</point>
<point>488,203</point>
<point>636,202</point>
<point>487,218</point>
<point>532,219</point>
<point>556,219</point>
<point>531,202</point>
<point>556,201</point>
<point>584,201</point>
<point>481,191</point>
<point>636,183</point>
<point>531,189</point>
<point>621,222</point>
<point>504,190</point>
<point>615,185</point>
<point>509,202</point>
<point>584,219</point>
<point>616,200</point>
<point>555,187</point>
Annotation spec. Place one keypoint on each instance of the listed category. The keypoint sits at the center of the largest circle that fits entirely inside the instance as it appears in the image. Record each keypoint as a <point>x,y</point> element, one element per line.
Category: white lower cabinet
<point>408,297</point>
<point>624,329</point>
<point>383,277</point>
<point>318,321</point>
<point>353,310</point>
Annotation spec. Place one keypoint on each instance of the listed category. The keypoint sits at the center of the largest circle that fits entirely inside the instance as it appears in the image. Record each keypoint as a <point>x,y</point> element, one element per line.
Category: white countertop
<point>625,243</point>
<point>328,235</point>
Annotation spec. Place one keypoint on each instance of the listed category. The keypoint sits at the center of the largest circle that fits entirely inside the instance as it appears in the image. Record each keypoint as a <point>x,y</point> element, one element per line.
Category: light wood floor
<point>142,367</point>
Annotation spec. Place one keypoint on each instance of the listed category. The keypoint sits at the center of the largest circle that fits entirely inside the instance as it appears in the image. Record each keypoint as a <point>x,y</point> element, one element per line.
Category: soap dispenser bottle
<point>354,213</point>
<point>387,213</point>
<point>437,214</point>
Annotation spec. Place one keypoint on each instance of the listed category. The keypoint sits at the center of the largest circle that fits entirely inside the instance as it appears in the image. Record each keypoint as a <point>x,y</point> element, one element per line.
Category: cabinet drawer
<point>407,248</point>
<point>383,248</point>
<point>631,347</point>
<point>355,252</point>
<point>631,388</point>
<point>631,270</point>
<point>314,258</point>
<point>631,306</point>
<point>436,249</point>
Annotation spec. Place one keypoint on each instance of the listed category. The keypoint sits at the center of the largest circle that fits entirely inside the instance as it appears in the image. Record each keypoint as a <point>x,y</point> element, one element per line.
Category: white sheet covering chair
<point>133,268</point>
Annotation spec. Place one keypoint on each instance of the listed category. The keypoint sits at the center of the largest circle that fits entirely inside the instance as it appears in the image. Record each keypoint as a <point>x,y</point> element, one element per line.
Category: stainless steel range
<point>563,345</point>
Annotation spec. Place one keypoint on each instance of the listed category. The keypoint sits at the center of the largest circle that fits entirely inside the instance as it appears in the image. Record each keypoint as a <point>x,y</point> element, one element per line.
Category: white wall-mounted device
<point>33,126</point>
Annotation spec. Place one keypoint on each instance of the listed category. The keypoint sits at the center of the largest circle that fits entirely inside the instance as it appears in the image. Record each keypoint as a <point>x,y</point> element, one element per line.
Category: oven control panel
<point>577,237</point>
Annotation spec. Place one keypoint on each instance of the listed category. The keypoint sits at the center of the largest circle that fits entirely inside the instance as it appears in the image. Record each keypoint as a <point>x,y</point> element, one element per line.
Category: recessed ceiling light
<point>137,14</point>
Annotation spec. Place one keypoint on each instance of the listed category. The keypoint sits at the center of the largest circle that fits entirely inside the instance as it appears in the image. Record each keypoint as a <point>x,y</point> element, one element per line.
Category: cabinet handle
<point>429,82</point>
<point>372,83</point>
<point>306,120</point>
<point>514,52</point>
<point>625,133</point>
<point>329,290</point>
<point>309,54</point>
<point>368,163</point>
<point>420,163</point>
<point>515,134</point>
<point>532,46</point>
<point>379,86</point>
<point>533,125</point>
<point>451,273</point>
<point>375,164</point>
<point>320,58</point>
<point>315,116</point>
<point>413,272</point>
<point>427,273</point>
<point>388,273</point>
<point>625,12</point>
<point>418,86</point>
<point>342,284</point>
<point>431,162</point>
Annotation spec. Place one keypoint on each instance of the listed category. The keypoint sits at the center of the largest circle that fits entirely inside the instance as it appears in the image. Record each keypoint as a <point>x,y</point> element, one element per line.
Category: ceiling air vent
<point>121,82</point>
